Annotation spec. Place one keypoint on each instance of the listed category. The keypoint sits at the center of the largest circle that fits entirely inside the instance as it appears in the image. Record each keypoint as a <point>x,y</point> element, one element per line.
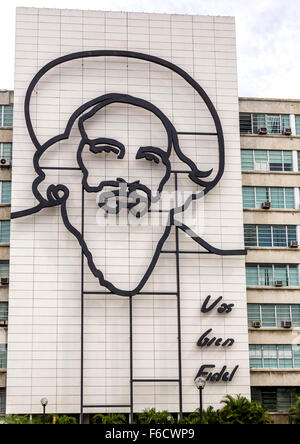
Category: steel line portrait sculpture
<point>139,197</point>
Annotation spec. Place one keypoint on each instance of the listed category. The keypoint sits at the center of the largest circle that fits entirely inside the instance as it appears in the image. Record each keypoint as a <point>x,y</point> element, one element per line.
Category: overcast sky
<point>267,37</point>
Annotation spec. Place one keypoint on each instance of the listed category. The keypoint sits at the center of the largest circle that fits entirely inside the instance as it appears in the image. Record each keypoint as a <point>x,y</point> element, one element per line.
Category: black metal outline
<point>58,194</point>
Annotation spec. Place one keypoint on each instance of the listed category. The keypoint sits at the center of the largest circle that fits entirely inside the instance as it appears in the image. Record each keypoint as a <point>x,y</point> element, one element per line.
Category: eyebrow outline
<point>144,150</point>
<point>118,147</point>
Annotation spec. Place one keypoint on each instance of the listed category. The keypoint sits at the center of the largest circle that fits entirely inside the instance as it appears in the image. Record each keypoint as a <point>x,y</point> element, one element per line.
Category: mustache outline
<point>129,191</point>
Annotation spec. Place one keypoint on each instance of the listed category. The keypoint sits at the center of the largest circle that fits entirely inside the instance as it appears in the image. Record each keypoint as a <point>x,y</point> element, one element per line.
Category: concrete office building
<point>143,341</point>
<point>270,148</point>
<point>6,119</point>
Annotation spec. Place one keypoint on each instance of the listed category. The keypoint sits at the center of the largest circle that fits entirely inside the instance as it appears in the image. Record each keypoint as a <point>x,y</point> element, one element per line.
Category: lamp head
<point>200,382</point>
<point>44,402</point>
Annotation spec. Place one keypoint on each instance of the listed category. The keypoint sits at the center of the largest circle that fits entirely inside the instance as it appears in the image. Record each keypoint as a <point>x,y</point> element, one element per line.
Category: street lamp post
<point>200,384</point>
<point>44,402</point>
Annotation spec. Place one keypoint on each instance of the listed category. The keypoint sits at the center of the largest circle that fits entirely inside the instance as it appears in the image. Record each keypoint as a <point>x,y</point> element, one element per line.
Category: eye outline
<point>107,145</point>
<point>150,153</point>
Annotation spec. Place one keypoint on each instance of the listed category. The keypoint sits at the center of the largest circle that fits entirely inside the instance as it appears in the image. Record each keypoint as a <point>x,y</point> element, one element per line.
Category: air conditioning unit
<point>3,322</point>
<point>266,205</point>
<point>293,244</point>
<point>278,283</point>
<point>262,131</point>
<point>4,162</point>
<point>256,324</point>
<point>4,281</point>
<point>287,131</point>
<point>286,324</point>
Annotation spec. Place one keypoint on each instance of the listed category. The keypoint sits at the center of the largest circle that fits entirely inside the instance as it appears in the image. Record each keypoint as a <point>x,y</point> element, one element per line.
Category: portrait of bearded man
<point>124,175</point>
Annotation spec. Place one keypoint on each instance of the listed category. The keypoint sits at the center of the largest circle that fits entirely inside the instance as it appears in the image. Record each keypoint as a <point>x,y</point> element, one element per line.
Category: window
<point>274,356</point>
<point>4,231</point>
<point>6,115</point>
<point>264,160</point>
<point>275,398</point>
<point>272,315</point>
<point>3,356</point>
<point>245,123</point>
<point>266,275</point>
<point>6,151</point>
<point>4,268</point>
<point>275,123</point>
<point>2,400</point>
<point>3,311</point>
<point>269,235</point>
<point>280,198</point>
<point>298,153</point>
<point>5,192</point>
<point>297,126</point>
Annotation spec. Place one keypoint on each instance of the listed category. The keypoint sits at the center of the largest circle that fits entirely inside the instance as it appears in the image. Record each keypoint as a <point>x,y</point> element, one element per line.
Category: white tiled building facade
<point>44,352</point>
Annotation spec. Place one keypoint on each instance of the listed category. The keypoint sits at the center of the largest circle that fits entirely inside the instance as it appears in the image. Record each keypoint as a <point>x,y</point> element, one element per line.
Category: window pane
<point>3,356</point>
<point>296,315</point>
<point>284,399</point>
<point>247,160</point>
<point>285,121</point>
<point>298,126</point>
<point>288,160</point>
<point>292,233</point>
<point>279,236</point>
<point>5,231</point>
<point>285,351</point>
<point>245,123</point>
<point>261,160</point>
<point>251,275</point>
<point>266,275</point>
<point>268,316</point>
<point>277,197</point>
<point>6,192</point>
<point>4,268</point>
<point>270,356</point>
<point>269,398</point>
<point>253,313</point>
<point>289,198</point>
<point>250,235</point>
<point>264,236</point>
<point>2,400</point>
<point>262,195</point>
<point>276,161</point>
<point>281,274</point>
<point>283,313</point>
<point>293,276</point>
<point>273,124</point>
<point>7,151</point>
<point>248,197</point>
<point>3,311</point>
<point>296,354</point>
<point>8,115</point>
<point>255,352</point>
<point>259,121</point>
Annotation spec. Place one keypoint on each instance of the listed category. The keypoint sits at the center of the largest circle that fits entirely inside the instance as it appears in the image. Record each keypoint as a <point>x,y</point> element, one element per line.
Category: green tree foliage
<point>151,416</point>
<point>16,419</point>
<point>238,410</point>
<point>295,412</point>
<point>24,419</point>
<point>210,416</point>
<point>109,419</point>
